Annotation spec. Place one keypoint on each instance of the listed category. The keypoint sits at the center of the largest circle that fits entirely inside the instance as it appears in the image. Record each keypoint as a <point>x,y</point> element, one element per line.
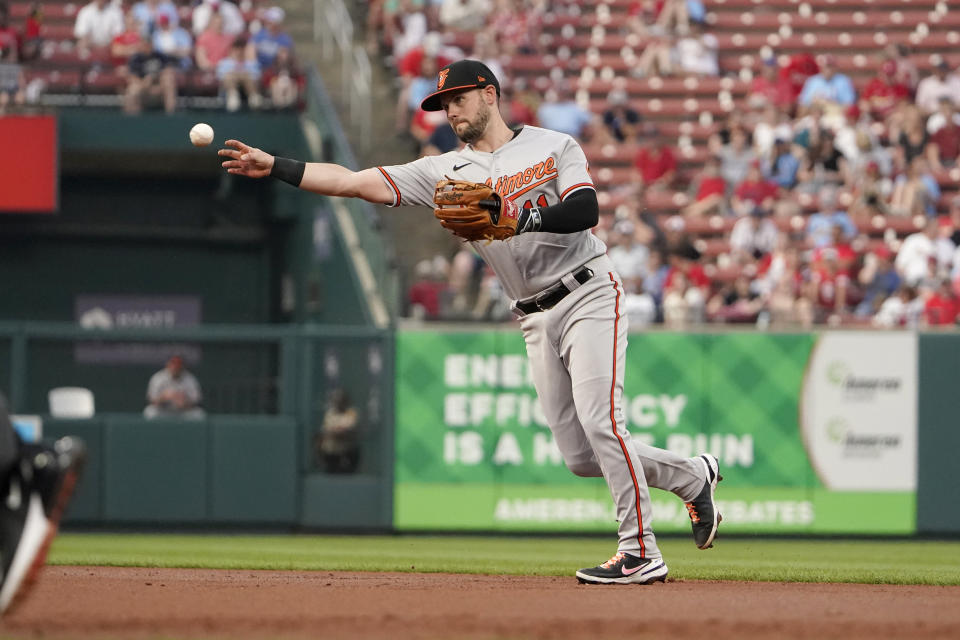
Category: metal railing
<point>333,29</point>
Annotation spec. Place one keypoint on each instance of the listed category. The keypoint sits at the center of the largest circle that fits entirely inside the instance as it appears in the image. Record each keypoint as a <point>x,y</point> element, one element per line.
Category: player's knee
<point>585,468</point>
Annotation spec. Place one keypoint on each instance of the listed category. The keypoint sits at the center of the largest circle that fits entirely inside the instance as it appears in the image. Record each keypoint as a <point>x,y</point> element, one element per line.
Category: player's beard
<point>474,130</point>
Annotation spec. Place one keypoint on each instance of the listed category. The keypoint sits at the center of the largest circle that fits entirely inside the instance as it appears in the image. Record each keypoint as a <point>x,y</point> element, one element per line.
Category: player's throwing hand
<point>246,160</point>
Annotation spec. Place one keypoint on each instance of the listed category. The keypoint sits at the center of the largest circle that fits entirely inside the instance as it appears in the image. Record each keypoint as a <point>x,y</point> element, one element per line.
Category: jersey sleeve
<point>411,183</point>
<point>573,171</point>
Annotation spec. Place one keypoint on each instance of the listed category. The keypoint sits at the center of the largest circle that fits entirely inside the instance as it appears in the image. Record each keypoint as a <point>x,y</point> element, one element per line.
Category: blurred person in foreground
<point>173,392</point>
<point>36,483</point>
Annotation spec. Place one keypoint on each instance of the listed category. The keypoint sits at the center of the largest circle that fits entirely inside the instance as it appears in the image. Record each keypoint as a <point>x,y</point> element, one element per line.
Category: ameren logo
<point>840,375</point>
<point>859,444</point>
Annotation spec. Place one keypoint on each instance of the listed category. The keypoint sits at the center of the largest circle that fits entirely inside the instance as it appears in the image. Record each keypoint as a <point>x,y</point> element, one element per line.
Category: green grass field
<point>887,562</point>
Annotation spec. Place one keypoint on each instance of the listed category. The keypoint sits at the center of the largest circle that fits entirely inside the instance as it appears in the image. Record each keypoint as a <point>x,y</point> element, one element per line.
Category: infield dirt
<point>102,602</point>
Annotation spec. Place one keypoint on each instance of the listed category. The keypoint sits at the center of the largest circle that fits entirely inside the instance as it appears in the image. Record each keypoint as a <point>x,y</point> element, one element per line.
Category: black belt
<point>549,298</point>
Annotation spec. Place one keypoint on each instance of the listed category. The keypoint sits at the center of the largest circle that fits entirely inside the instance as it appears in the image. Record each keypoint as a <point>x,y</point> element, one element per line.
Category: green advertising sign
<point>473,451</point>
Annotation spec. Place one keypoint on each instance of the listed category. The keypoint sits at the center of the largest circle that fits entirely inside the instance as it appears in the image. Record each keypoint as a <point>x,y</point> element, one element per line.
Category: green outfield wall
<point>814,433</point>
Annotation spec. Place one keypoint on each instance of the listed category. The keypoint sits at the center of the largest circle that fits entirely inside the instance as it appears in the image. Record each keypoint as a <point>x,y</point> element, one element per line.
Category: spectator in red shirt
<point>767,88</point>
<point>708,191</point>
<point>425,293</point>
<point>655,165</point>
<point>32,39</point>
<point>213,45</point>
<point>794,74</point>
<point>942,307</point>
<point>828,286</point>
<point>755,192</point>
<point>9,40</point>
<point>883,92</point>
<point>943,147</point>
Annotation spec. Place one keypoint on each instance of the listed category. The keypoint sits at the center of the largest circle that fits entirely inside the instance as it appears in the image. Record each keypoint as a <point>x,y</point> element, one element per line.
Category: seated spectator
<point>793,76</point>
<point>828,288</point>
<point>879,280</point>
<point>946,112</point>
<point>771,124</point>
<point>841,248</point>
<point>148,14</point>
<point>942,307</point>
<point>679,16</point>
<point>943,146</point>
<point>882,94</point>
<point>173,47</point>
<point>734,302</point>
<point>240,70</point>
<point>232,23</point>
<point>425,293</point>
<point>655,166</point>
<point>629,254</point>
<point>282,81</point>
<point>871,194</point>
<point>823,165</point>
<point>96,26</point>
<point>518,105</point>
<point>917,192</point>
<point>560,112</point>
<point>783,166</point>
<point>464,15</point>
<point>9,40</point>
<point>126,46</point>
<point>682,303</point>
<point>903,309</point>
<point>752,237</point>
<point>443,139</point>
<point>906,72</point>
<point>696,52</point>
<point>941,83</point>
<point>754,193</point>
<point>337,442</point>
<point>272,39</point>
<point>410,65</point>
<point>831,89</point>
<point>410,26</point>
<point>620,120</point>
<point>944,246</point>
<point>32,41</point>
<point>151,71</point>
<point>640,307</point>
<point>736,158</point>
<point>213,44</point>
<point>12,85</point>
<point>173,392</point>
<point>918,255</point>
<point>414,90</point>
<point>657,58</point>
<point>820,225</point>
<point>911,141</point>
<point>766,89</point>
<point>707,191</point>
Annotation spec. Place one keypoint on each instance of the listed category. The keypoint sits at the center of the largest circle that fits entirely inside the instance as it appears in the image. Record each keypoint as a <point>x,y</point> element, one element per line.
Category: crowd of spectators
<point>799,176</point>
<point>158,48</point>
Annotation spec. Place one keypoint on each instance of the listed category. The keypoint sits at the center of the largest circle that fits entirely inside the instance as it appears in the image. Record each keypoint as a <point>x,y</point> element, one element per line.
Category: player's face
<point>469,114</point>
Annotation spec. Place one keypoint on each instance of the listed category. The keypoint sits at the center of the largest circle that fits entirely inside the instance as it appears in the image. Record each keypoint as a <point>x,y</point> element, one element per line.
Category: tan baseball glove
<point>474,211</point>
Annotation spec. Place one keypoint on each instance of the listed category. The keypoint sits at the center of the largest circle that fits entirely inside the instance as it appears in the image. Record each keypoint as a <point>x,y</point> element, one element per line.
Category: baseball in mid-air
<point>201,134</point>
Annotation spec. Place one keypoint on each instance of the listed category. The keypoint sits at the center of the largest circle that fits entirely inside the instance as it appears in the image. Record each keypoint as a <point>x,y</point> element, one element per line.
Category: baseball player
<point>36,481</point>
<point>527,202</point>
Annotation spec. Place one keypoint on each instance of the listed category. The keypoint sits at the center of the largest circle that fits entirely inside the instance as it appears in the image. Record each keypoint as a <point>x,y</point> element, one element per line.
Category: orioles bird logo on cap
<point>442,78</point>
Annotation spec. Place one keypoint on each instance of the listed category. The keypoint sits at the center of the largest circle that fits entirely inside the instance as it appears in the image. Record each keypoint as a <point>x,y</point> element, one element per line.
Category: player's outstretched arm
<point>323,178</point>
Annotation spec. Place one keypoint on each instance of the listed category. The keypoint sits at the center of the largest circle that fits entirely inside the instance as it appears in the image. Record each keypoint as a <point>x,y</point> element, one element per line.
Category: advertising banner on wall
<point>119,311</point>
<point>473,451</point>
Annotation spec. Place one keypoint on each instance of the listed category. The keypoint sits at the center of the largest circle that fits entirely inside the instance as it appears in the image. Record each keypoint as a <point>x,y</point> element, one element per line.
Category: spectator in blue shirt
<point>148,12</point>
<point>563,115</point>
<point>783,165</point>
<point>271,39</point>
<point>828,86</point>
<point>820,225</point>
<point>879,279</point>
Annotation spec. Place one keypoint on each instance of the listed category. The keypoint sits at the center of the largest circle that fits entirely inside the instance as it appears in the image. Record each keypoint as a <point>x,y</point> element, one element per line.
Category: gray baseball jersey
<point>577,349</point>
<point>537,168</point>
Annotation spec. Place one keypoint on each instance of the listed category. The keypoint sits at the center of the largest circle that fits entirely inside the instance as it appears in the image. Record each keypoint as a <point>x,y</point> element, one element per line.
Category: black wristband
<point>530,220</point>
<point>290,171</point>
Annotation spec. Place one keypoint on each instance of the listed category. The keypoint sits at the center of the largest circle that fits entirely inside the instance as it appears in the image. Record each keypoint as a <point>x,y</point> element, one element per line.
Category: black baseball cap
<point>457,76</point>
